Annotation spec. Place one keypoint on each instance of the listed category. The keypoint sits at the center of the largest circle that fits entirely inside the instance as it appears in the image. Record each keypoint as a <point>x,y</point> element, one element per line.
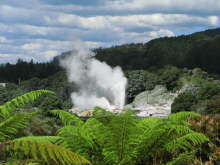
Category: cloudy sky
<point>41,29</point>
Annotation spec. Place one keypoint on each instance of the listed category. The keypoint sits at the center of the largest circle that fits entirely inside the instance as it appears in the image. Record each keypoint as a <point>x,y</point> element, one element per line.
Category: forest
<point>37,128</point>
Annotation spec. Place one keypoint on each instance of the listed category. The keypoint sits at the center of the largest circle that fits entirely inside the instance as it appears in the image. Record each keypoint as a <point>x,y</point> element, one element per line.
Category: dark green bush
<point>183,102</point>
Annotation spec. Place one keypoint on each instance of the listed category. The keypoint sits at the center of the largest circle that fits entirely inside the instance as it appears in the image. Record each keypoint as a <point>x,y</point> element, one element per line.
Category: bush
<point>169,77</point>
<point>136,83</point>
<point>183,102</point>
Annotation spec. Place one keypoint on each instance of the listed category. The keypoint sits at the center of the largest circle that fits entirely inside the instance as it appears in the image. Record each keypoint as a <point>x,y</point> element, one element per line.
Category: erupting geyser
<point>98,83</point>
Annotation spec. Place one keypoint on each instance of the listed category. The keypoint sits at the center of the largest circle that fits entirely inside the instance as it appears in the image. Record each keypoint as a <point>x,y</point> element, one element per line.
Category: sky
<point>42,29</point>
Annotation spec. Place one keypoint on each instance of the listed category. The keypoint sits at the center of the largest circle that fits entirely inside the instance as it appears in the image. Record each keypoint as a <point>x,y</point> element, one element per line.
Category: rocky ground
<point>156,102</point>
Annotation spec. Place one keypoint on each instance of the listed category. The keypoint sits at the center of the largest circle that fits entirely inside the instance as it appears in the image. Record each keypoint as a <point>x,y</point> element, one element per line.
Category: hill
<point>181,51</point>
<point>199,49</point>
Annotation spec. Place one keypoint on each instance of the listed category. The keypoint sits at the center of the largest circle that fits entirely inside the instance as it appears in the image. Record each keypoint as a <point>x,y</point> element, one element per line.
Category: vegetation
<point>26,150</point>
<point>107,138</point>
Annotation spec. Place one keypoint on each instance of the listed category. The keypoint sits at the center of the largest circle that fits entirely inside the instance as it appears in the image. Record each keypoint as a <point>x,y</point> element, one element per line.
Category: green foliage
<point>20,101</point>
<point>207,90</point>
<point>120,139</point>
<point>3,95</point>
<point>49,102</point>
<point>157,133</point>
<point>169,77</point>
<point>183,102</point>
<point>136,83</point>
<point>26,70</point>
<point>43,152</point>
<point>205,54</point>
<point>201,97</point>
<point>50,139</point>
<point>123,131</point>
<point>183,116</point>
<point>41,125</point>
<point>67,118</point>
<point>187,142</point>
<point>12,125</point>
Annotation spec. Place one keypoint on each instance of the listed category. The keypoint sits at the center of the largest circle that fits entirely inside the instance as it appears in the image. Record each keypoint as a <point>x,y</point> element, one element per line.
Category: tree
<point>169,77</point>
<point>183,102</point>
<point>107,138</point>
<point>136,83</point>
<point>25,150</point>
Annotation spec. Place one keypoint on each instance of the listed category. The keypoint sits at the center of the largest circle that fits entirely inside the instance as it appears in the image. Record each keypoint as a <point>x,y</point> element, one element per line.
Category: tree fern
<point>160,136</point>
<point>13,124</point>
<point>119,145</point>
<point>67,118</point>
<point>72,137</point>
<point>103,115</point>
<point>20,101</point>
<point>182,116</point>
<point>86,139</point>
<point>187,142</point>
<point>51,139</point>
<point>43,152</point>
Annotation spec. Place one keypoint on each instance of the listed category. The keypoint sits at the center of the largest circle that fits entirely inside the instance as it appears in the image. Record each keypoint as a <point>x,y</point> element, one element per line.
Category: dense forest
<point>37,128</point>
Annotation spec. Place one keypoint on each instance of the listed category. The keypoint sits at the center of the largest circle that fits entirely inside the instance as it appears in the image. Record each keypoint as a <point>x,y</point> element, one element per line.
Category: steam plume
<point>98,83</point>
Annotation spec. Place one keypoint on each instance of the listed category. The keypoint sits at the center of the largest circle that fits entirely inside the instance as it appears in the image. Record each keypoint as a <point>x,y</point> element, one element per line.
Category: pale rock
<point>156,102</point>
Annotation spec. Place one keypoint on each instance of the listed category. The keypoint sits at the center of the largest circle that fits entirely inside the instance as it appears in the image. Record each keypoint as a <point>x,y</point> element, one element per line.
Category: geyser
<point>98,83</point>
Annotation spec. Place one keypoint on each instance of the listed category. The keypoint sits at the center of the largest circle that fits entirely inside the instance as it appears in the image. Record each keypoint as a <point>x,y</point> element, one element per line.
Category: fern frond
<point>88,139</point>
<point>177,130</point>
<point>182,116</point>
<point>102,115</point>
<point>122,131</point>
<point>93,129</point>
<point>45,152</point>
<point>75,140</point>
<point>67,118</point>
<point>51,139</point>
<point>186,142</point>
<point>148,123</point>
<point>67,131</point>
<point>20,101</point>
<point>13,124</point>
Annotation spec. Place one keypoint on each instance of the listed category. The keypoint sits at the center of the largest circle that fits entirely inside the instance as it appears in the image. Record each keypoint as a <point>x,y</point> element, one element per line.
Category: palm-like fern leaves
<point>187,142</point>
<point>86,139</point>
<point>182,117</point>
<point>13,124</point>
<point>167,136</point>
<point>123,131</point>
<point>43,152</point>
<point>50,139</point>
<point>120,139</point>
<point>67,118</point>
<point>20,101</point>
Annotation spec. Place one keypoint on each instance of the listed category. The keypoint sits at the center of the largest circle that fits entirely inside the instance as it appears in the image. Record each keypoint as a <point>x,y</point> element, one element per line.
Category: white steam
<point>98,83</point>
